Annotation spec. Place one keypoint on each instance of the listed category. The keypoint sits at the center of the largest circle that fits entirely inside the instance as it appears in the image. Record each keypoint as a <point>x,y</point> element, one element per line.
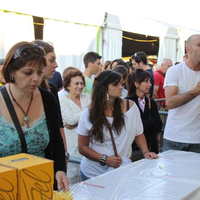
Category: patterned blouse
<point>71,114</point>
<point>37,137</point>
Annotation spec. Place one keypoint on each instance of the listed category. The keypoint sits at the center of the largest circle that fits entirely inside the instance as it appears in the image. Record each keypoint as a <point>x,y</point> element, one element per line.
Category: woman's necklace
<point>26,118</point>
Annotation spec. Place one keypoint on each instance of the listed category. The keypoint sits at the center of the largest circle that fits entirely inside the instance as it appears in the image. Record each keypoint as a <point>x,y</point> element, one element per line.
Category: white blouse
<point>70,111</point>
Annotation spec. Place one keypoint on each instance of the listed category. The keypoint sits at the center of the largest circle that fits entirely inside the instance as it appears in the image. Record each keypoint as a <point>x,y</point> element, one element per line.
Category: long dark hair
<point>98,105</point>
<point>139,75</point>
<point>48,47</point>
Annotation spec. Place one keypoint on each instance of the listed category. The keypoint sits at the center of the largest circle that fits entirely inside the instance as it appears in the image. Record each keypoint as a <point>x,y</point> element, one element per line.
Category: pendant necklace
<point>26,118</point>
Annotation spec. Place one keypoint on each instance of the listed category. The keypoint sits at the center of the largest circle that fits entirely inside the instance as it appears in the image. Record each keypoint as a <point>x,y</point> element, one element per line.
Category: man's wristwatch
<point>103,159</point>
<point>67,155</point>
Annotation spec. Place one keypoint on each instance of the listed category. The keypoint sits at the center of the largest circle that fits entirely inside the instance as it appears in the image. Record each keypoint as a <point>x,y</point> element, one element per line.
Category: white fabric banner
<point>71,42</point>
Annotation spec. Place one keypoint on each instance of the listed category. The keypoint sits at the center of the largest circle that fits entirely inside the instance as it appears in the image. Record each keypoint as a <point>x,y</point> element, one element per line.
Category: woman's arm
<point>64,138</point>
<point>70,127</point>
<point>85,150</point>
<point>153,123</point>
<point>156,116</point>
<point>55,149</point>
<point>142,144</point>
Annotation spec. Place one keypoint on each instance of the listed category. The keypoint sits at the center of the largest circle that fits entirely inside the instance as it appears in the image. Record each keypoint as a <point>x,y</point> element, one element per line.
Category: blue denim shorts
<point>171,145</point>
<point>83,177</point>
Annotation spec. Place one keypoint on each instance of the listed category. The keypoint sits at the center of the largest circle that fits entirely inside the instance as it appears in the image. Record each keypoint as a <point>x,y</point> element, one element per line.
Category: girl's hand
<point>62,181</point>
<point>150,155</point>
<point>114,161</point>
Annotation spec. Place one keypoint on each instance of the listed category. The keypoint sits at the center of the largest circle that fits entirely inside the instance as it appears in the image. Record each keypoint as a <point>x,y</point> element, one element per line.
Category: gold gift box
<point>35,176</point>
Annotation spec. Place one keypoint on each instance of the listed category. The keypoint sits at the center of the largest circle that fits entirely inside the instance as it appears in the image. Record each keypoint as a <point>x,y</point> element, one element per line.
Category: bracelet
<point>103,160</point>
<point>67,155</point>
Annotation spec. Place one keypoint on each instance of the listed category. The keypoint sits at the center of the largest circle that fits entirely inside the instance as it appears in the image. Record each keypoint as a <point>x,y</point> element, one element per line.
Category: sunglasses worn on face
<point>27,51</point>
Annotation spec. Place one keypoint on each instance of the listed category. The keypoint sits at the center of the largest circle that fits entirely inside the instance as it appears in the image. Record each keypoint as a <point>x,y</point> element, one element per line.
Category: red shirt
<point>159,78</point>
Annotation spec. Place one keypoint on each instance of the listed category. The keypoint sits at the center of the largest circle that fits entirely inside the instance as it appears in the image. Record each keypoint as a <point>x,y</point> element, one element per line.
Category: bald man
<point>159,77</point>
<point>182,91</point>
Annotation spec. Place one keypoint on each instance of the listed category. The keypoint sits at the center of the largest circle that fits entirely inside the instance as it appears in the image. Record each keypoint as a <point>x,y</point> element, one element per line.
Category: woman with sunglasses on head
<point>107,117</point>
<point>139,61</point>
<point>138,85</point>
<point>48,74</point>
<point>72,104</point>
<point>36,110</point>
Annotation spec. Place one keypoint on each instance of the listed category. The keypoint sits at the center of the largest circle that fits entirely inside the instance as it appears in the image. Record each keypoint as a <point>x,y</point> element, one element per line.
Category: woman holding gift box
<point>35,127</point>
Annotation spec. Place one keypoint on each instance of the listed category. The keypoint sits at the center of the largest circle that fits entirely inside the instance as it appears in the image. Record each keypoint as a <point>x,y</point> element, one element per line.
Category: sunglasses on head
<point>27,51</point>
<point>137,59</point>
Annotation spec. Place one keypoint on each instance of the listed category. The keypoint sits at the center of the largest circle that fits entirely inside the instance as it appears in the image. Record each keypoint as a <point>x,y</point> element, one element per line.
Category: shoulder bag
<point>124,159</point>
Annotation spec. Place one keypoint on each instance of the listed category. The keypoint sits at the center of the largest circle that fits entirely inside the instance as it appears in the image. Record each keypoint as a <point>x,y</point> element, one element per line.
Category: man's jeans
<point>170,145</point>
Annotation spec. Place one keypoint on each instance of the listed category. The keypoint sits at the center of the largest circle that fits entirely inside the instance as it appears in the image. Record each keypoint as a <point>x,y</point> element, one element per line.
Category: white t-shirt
<point>133,127</point>
<point>183,123</point>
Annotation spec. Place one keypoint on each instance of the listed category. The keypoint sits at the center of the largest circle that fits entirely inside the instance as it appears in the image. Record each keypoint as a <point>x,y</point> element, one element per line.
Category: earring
<point>12,79</point>
<point>107,95</point>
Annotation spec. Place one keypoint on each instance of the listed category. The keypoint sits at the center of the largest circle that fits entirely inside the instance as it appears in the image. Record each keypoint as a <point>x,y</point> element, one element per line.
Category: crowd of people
<point>105,117</point>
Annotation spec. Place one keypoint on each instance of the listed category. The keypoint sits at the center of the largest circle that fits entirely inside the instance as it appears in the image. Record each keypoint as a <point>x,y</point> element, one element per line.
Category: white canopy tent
<point>168,35</point>
<point>76,27</point>
<point>72,41</point>
<point>13,31</point>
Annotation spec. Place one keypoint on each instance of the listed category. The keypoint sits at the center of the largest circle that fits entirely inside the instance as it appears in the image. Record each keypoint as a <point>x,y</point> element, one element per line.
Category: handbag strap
<point>14,118</point>
<point>160,73</point>
<point>112,138</point>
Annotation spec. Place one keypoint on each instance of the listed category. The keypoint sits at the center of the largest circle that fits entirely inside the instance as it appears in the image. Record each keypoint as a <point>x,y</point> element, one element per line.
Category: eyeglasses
<point>77,83</point>
<point>27,51</point>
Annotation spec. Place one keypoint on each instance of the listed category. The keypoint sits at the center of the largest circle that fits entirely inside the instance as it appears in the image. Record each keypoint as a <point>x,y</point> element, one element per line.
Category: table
<point>175,175</point>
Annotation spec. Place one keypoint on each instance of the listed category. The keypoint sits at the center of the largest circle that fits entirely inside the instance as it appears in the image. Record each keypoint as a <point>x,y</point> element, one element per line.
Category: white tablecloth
<point>175,175</point>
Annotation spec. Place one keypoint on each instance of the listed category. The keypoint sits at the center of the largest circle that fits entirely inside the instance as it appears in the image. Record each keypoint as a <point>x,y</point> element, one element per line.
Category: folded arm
<point>174,100</point>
